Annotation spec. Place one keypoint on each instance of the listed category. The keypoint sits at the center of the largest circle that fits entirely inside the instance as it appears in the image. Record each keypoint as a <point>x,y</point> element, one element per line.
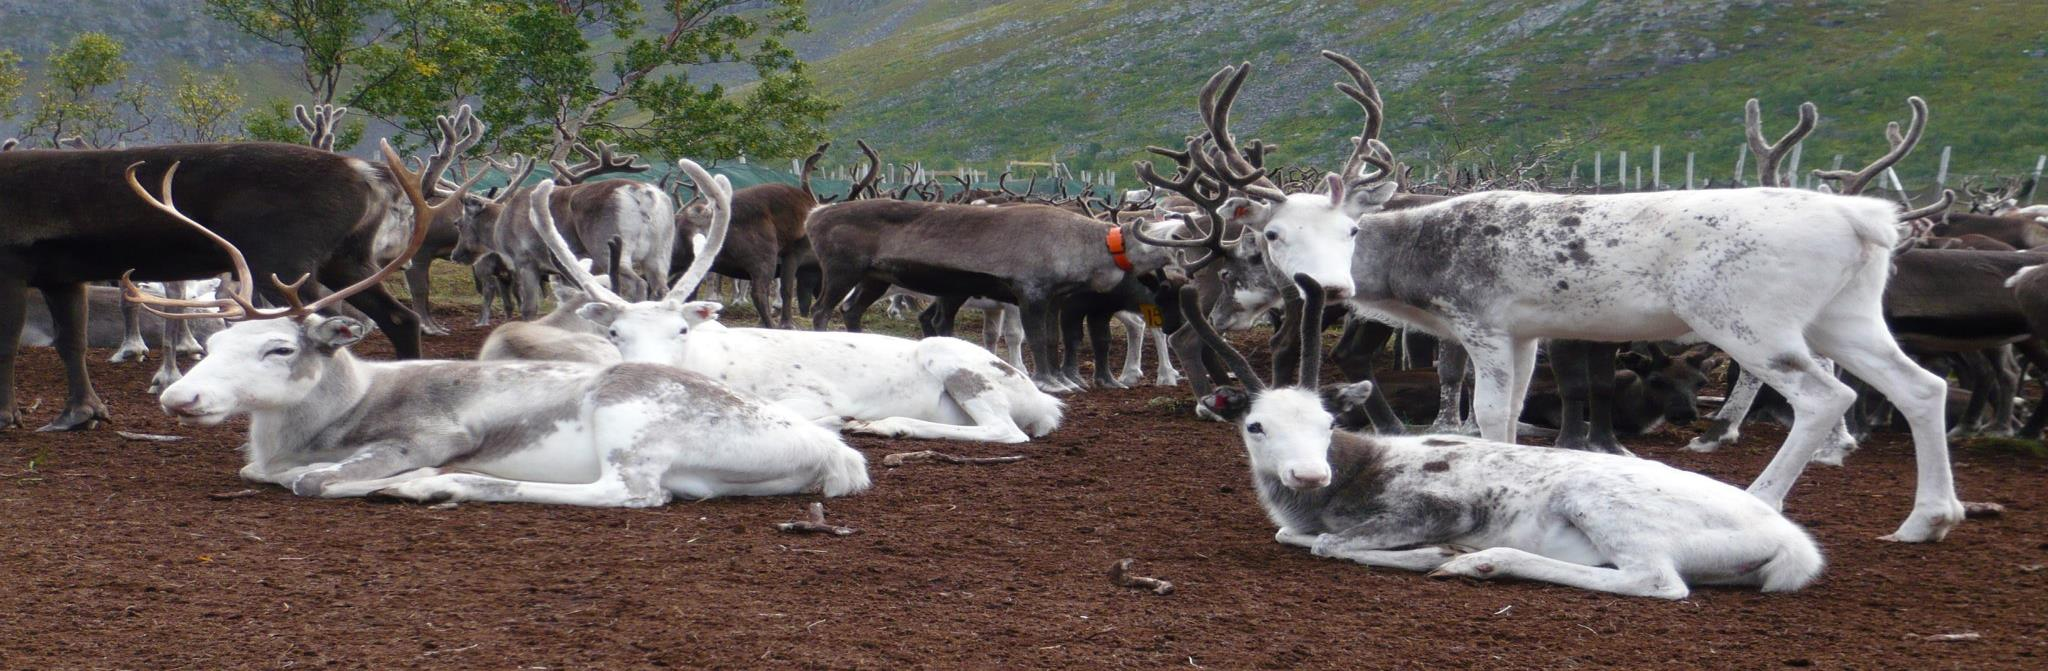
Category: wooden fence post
<point>1688,171</point>
<point>1656,167</point>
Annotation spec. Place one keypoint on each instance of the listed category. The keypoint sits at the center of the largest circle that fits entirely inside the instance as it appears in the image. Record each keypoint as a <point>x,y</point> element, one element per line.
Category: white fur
<point>632,435</point>
<point>1593,521</point>
<point>1774,277</point>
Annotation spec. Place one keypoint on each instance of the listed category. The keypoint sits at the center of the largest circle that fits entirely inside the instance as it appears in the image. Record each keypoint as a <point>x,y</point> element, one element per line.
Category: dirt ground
<point>112,555</point>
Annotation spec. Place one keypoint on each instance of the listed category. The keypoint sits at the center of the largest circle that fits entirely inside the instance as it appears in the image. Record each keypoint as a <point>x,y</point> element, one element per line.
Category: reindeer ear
<point>598,312</point>
<point>698,312</point>
<point>329,335</point>
<point>1243,211</point>
<point>1634,361</point>
<point>1362,199</point>
<point>1698,356</point>
<point>1230,403</point>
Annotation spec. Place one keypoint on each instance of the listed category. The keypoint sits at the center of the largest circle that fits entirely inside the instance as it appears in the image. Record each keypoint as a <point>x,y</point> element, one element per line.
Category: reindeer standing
<point>1499,271</point>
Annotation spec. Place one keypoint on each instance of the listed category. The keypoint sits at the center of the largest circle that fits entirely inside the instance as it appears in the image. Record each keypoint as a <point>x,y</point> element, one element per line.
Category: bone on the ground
<point>1952,638</point>
<point>1120,573</point>
<point>223,496</point>
<point>153,437</point>
<point>815,525</point>
<point>1977,510</point>
<point>901,458</point>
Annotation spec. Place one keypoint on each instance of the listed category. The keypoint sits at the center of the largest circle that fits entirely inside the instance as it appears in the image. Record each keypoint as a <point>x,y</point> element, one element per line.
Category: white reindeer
<point>1771,276</point>
<point>1424,503</point>
<point>324,423</point>
<point>942,388</point>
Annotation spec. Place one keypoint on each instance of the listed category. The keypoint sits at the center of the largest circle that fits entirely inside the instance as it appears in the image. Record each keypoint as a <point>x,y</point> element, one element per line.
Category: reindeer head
<point>648,331</point>
<point>1286,430</point>
<point>270,358</point>
<point>1673,383</point>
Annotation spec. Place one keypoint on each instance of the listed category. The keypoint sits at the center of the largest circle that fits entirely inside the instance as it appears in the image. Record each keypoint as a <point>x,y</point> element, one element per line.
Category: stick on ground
<point>223,496</point>
<point>1120,573</point>
<point>815,525</point>
<point>152,437</point>
<point>901,458</point>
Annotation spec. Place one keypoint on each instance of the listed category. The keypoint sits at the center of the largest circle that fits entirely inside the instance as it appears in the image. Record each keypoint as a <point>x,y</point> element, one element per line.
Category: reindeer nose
<point>1308,480</point>
<point>184,408</point>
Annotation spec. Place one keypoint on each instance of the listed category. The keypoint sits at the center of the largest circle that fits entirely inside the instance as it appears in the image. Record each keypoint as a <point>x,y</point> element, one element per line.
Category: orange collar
<point>1116,248</point>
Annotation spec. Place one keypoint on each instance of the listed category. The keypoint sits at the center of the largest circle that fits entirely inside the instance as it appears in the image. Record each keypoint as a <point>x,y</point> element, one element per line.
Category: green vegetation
<point>1093,82</point>
<point>88,94</point>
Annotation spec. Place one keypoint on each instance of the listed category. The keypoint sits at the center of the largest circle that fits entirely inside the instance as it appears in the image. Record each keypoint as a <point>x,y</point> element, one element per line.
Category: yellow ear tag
<point>1152,317</point>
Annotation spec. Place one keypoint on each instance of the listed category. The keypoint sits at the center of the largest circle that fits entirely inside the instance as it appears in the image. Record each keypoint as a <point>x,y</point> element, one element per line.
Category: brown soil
<point>112,555</point>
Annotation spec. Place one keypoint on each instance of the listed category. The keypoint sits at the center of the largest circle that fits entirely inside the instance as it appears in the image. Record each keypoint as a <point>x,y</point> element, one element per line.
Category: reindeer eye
<point>685,330</point>
<point>1255,427</point>
<point>281,351</point>
<point>615,333</point>
<point>1272,235</point>
<point>1354,231</point>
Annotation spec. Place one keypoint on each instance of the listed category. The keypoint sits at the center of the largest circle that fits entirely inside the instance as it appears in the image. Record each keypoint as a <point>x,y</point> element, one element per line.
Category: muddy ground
<point>112,555</point>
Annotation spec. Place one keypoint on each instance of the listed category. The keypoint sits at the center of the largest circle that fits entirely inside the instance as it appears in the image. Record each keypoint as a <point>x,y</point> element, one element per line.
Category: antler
<point>9,144</point>
<point>520,168</point>
<point>604,160</point>
<point>1854,183</point>
<point>1191,308</point>
<point>1311,323</point>
<point>717,192</point>
<point>459,134</point>
<point>241,301</point>
<point>1366,148</point>
<point>1234,169</point>
<point>541,217</point>
<point>1948,197</point>
<point>320,123</point>
<point>874,174</point>
<point>1770,155</point>
<point>1204,193</point>
<point>803,178</point>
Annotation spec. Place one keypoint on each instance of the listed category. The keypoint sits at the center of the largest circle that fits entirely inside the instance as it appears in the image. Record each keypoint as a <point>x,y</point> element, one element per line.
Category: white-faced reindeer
<point>932,388</point>
<point>324,423</point>
<point>1771,276</point>
<point>1455,506</point>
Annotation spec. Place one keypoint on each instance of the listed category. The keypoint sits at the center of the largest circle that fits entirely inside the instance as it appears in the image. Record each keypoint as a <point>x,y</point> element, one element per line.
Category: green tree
<point>203,107</point>
<point>12,79</point>
<point>547,94</point>
<point>87,94</point>
<point>328,35</point>
<point>275,122</point>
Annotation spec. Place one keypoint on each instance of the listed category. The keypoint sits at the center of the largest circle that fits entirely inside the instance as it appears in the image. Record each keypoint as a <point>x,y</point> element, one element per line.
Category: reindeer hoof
<point>127,355</point>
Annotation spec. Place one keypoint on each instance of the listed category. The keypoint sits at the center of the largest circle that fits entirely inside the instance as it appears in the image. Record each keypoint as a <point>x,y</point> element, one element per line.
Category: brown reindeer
<point>766,241</point>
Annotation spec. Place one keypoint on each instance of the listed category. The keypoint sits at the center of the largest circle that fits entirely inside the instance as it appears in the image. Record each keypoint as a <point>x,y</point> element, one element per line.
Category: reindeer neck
<point>344,382</point>
<point>1357,477</point>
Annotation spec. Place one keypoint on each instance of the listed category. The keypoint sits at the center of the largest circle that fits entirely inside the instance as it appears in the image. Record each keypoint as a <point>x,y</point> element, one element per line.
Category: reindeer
<point>767,240</point>
<point>591,213</point>
<point>324,423</point>
<point>971,250</point>
<point>939,388</point>
<point>297,210</point>
<point>1501,270</point>
<point>1587,520</point>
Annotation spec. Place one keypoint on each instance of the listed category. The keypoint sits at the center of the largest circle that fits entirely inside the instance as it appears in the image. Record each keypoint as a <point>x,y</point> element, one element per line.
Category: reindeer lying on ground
<point>933,388</point>
<point>1501,270</point>
<point>1454,506</point>
<point>326,424</point>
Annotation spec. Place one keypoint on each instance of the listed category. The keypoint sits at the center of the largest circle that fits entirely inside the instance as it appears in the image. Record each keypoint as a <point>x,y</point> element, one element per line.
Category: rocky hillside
<point>1091,81</point>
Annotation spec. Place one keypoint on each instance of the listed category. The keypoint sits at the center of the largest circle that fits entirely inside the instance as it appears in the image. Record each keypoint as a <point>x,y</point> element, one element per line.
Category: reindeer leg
<point>167,372</point>
<point>1727,424</point>
<point>1600,392</point>
<point>132,346</point>
<point>1134,349</point>
<point>759,289</point>
<point>1866,349</point>
<point>82,408</point>
<point>1568,362</point>
<point>13,316</point>
<point>1359,341</point>
<point>419,283</point>
<point>1098,343</point>
<point>1168,376</point>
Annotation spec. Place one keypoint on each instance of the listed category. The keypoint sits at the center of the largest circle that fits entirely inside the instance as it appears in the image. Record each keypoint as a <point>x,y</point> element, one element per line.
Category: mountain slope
<point>1092,81</point>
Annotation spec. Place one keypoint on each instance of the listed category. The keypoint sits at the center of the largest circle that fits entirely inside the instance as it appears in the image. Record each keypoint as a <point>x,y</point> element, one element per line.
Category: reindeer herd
<point>631,392</point>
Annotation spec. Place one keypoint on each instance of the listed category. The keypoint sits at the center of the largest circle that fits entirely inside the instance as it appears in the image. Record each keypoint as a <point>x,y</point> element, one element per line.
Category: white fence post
<point>1656,167</point>
<point>1793,171</point>
<point>1741,156</point>
<point>1688,171</point>
<point>1941,176</point>
<point>1622,175</point>
<point>1597,159</point>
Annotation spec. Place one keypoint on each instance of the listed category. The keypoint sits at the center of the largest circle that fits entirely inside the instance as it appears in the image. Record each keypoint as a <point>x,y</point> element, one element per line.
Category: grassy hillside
<point>1092,81</point>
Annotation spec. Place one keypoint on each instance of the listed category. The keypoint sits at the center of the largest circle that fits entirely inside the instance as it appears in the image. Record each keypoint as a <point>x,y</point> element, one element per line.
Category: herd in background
<point>631,392</point>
